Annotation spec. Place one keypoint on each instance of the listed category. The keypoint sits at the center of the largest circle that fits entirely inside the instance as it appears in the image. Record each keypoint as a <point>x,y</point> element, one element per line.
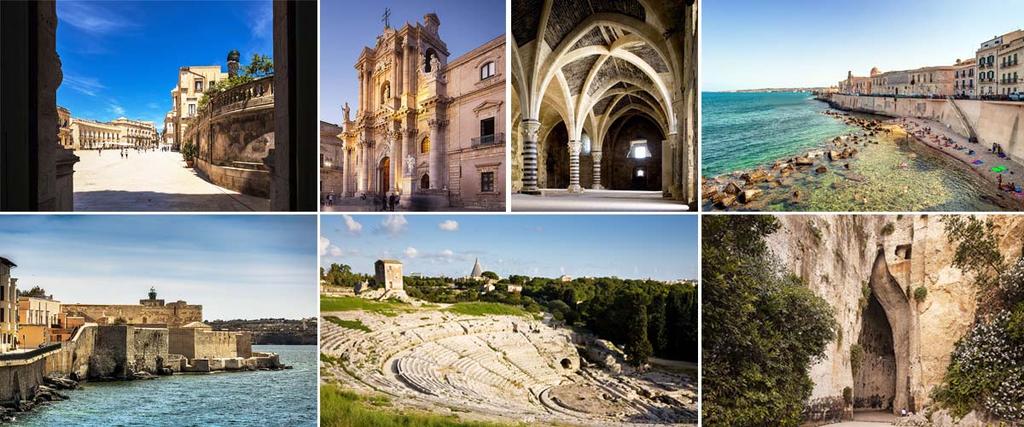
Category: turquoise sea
<point>744,130</point>
<point>262,398</point>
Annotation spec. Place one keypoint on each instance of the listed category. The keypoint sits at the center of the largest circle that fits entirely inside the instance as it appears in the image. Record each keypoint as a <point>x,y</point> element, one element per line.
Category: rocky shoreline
<point>743,187</point>
<point>44,394</point>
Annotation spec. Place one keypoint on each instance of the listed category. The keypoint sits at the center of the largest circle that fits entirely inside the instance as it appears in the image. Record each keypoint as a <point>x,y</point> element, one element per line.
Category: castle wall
<point>214,344</point>
<point>183,341</point>
<point>171,315</point>
<point>74,354</point>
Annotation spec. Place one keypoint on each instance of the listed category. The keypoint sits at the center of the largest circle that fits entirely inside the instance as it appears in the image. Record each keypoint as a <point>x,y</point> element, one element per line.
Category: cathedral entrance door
<point>384,175</point>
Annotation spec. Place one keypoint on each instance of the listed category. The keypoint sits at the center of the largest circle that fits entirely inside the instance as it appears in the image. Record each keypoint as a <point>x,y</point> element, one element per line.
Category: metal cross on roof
<point>387,14</point>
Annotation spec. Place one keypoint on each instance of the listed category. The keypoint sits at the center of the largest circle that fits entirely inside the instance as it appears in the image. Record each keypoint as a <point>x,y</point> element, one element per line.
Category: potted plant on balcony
<point>189,152</point>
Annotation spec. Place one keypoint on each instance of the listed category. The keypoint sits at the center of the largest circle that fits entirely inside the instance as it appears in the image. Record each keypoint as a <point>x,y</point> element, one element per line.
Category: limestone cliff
<point>904,343</point>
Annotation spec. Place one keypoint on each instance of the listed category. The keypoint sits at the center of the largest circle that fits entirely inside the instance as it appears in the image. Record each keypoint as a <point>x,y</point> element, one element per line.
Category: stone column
<point>396,161</point>
<point>409,64</point>
<point>345,172</point>
<point>668,155</point>
<point>529,128</point>
<point>574,166</point>
<point>436,153</point>
<point>596,155</point>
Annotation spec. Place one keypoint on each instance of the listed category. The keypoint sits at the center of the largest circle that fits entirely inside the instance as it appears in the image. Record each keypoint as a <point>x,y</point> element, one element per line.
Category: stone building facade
<point>192,82</point>
<point>93,135</point>
<point>857,85</point>
<point>64,128</point>
<point>964,77</point>
<point>149,312</point>
<point>927,81</point>
<point>992,66</point>
<point>8,306</point>
<point>428,129</point>
<point>198,340</point>
<point>388,274</point>
<point>136,133</point>
<point>331,148</point>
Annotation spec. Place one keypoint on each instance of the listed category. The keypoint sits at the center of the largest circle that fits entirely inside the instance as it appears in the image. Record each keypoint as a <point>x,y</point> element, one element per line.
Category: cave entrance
<point>874,384</point>
<point>883,380</point>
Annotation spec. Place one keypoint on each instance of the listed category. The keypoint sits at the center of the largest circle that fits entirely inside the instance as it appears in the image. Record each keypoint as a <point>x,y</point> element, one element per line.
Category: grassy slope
<point>343,408</point>
<point>350,324</point>
<point>486,308</point>
<point>386,308</point>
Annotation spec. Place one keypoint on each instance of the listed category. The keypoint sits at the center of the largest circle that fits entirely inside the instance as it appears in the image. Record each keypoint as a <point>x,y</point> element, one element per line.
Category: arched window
<point>487,70</point>
<point>425,145</point>
<point>425,182</point>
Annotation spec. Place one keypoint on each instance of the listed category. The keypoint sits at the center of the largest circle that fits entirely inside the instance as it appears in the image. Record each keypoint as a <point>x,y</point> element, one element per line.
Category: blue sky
<point>121,58</point>
<point>629,246</point>
<point>235,266</point>
<point>348,26</point>
<point>750,44</point>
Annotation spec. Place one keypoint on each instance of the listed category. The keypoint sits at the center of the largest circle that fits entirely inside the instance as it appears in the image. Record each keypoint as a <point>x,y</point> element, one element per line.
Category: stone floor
<point>559,200</point>
<point>150,181</point>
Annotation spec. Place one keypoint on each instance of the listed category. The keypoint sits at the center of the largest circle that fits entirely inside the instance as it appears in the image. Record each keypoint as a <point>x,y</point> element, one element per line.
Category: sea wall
<point>836,256</point>
<point>1000,122</point>
<point>21,374</point>
<point>122,351</point>
<point>74,354</point>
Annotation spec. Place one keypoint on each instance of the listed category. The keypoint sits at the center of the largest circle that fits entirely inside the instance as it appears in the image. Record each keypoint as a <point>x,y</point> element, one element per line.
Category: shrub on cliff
<point>763,327</point>
<point>986,372</point>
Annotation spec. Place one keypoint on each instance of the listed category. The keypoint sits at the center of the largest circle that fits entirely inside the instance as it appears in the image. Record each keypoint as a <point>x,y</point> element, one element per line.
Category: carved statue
<point>346,110</point>
<point>410,162</point>
<point>435,65</point>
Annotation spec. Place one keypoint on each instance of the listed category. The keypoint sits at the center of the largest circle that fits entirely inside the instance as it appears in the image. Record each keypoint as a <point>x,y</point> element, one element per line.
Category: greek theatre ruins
<point>604,98</point>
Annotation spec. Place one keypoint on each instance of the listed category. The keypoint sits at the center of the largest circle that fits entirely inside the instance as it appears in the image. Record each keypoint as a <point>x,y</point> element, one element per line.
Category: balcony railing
<point>254,93</point>
<point>488,139</point>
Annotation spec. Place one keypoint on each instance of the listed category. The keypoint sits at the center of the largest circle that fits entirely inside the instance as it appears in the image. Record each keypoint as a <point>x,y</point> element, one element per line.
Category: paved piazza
<point>596,200</point>
<point>150,181</point>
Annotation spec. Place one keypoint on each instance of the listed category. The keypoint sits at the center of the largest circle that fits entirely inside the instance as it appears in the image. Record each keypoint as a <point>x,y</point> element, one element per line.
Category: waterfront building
<point>857,85</point>
<point>149,312</point>
<point>1011,71</point>
<point>8,307</point>
<point>92,135</point>
<point>925,81</point>
<point>990,77</point>
<point>136,133</point>
<point>185,96</point>
<point>331,154</point>
<point>963,76</point>
<point>427,128</point>
<point>39,321</point>
<point>64,128</point>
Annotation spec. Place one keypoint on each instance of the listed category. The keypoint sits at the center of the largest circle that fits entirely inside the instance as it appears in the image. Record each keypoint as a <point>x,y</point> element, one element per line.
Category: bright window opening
<point>638,149</point>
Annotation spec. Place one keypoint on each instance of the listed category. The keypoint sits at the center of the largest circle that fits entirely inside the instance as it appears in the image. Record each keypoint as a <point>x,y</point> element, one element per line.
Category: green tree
<point>637,347</point>
<point>763,327</point>
<point>490,275</point>
<point>259,66</point>
<point>35,292</point>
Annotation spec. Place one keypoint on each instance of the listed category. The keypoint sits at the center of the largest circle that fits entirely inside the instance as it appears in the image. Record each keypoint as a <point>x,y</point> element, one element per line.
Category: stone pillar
<point>529,129</point>
<point>362,93</point>
<point>574,166</point>
<point>409,64</point>
<point>396,162</point>
<point>345,171</point>
<point>436,162</point>
<point>370,174</point>
<point>668,155</point>
<point>596,155</point>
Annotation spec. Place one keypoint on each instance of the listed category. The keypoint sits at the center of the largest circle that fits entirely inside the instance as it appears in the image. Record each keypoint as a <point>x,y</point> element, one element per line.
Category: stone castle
<point>149,312</point>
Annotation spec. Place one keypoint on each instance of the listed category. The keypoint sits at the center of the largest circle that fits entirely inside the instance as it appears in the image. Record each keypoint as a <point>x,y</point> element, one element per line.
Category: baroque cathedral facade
<point>428,128</point>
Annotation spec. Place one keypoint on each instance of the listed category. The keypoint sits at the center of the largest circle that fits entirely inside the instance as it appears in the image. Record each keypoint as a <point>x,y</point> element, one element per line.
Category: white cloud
<point>87,85</point>
<point>352,225</point>
<point>326,248</point>
<point>116,109</point>
<point>394,224</point>
<point>449,225</point>
<point>324,244</point>
<point>92,18</point>
<point>447,253</point>
<point>411,252</point>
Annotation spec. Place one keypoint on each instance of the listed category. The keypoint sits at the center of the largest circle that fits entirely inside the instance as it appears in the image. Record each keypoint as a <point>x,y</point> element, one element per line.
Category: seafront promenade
<point>974,156</point>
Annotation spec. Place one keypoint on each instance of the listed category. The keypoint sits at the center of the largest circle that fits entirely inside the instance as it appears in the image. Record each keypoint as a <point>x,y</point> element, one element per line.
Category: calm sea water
<point>263,398</point>
<point>744,130</point>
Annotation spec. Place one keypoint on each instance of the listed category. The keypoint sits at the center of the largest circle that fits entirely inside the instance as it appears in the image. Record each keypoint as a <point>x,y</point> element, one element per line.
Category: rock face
<point>866,267</point>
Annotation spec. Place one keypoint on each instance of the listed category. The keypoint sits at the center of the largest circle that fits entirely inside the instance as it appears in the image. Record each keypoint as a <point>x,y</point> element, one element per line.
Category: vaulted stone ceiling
<point>594,60</point>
